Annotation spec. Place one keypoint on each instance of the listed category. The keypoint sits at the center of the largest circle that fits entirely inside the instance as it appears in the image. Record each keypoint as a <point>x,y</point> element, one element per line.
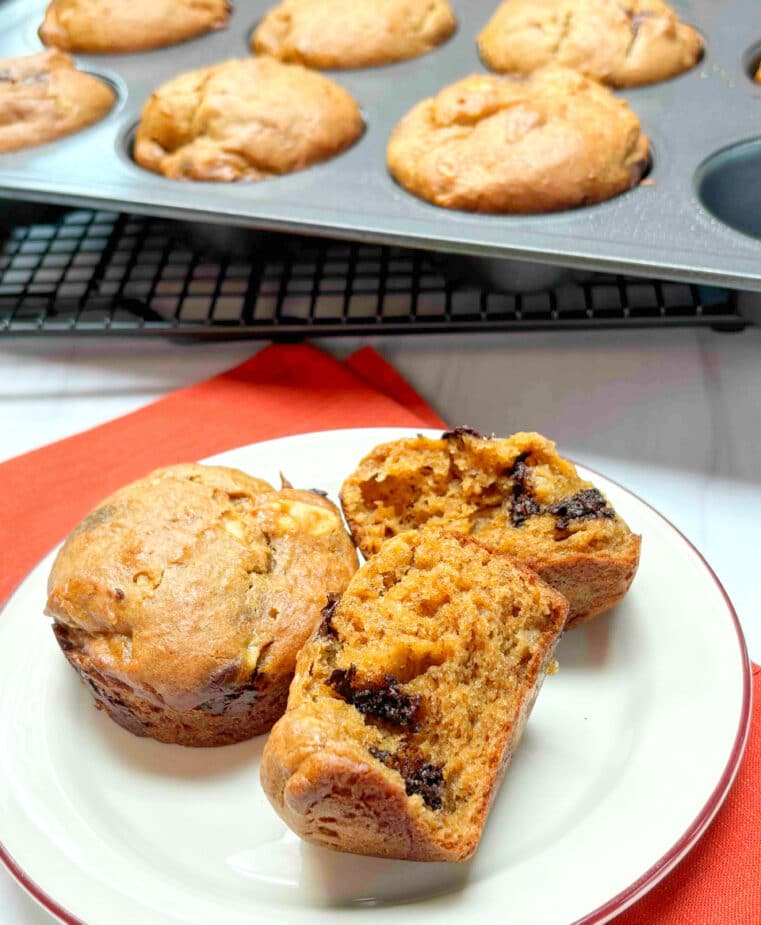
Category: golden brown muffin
<point>553,141</point>
<point>44,97</point>
<point>409,702</point>
<point>245,120</point>
<point>758,74</point>
<point>115,26</point>
<point>183,599</point>
<point>624,43</point>
<point>347,34</point>
<point>517,495</point>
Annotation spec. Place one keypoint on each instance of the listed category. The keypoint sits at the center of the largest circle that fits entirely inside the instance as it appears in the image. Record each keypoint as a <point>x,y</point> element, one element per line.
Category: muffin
<point>183,599</point>
<point>44,97</point>
<point>105,27</point>
<point>346,34</point>
<point>409,702</point>
<point>624,44</point>
<point>517,495</point>
<point>555,140</point>
<point>245,120</point>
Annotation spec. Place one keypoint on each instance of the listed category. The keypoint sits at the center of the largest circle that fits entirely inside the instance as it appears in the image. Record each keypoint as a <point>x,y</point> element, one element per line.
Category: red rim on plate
<point>651,877</point>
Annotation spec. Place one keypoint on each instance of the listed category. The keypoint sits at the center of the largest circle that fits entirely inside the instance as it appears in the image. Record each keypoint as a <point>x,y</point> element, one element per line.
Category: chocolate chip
<point>588,504</point>
<point>226,694</point>
<point>386,702</point>
<point>238,699</point>
<point>428,781</point>
<point>420,777</point>
<point>523,507</point>
<point>327,630</point>
<point>523,504</point>
<point>318,491</point>
<point>119,594</point>
<point>460,432</point>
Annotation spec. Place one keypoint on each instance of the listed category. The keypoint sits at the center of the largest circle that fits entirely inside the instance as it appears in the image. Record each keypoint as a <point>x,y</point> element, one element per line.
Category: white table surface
<point>673,415</point>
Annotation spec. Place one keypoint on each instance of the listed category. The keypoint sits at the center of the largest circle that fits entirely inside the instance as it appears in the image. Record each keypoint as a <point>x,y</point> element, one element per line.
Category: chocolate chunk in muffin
<point>44,97</point>
<point>340,34</point>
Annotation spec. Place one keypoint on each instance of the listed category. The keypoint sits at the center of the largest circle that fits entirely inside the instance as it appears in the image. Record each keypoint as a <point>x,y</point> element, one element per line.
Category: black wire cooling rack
<point>103,273</point>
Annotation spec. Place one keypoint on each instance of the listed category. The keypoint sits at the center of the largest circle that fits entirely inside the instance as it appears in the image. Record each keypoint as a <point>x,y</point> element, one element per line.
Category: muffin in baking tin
<point>624,44</point>
<point>409,702</point>
<point>555,140</point>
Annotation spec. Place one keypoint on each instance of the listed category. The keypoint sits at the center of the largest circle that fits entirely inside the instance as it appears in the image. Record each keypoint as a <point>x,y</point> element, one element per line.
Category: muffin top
<point>551,141</point>
<point>44,97</point>
<point>104,27</point>
<point>346,34</point>
<point>623,43</point>
<point>245,119</point>
<point>196,577</point>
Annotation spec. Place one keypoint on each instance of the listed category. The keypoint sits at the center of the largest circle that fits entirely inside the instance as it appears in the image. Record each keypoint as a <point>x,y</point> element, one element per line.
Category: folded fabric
<point>296,389</point>
<point>281,391</point>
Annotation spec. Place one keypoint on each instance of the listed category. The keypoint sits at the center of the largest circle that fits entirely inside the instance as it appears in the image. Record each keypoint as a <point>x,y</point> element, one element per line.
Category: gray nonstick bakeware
<point>682,223</point>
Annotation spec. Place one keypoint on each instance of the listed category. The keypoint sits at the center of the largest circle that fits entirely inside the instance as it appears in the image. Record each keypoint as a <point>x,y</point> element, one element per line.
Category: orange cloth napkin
<point>295,389</point>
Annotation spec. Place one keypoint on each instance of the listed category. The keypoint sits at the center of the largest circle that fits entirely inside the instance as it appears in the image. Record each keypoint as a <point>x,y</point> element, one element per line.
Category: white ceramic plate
<point>628,754</point>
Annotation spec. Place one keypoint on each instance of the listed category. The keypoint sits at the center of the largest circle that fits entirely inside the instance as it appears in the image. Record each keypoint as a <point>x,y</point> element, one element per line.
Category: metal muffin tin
<point>661,228</point>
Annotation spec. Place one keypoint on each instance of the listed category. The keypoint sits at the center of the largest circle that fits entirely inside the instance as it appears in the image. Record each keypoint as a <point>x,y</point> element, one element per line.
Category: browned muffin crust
<point>345,34</point>
<point>408,704</point>
<point>44,97</point>
<point>183,599</point>
<point>105,27</point>
<point>246,119</point>
<point>624,43</point>
<point>555,140</point>
<point>517,495</point>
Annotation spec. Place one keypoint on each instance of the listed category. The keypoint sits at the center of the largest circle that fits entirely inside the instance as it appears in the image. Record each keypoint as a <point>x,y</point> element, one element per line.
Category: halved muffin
<point>517,495</point>
<point>184,598</point>
<point>408,703</point>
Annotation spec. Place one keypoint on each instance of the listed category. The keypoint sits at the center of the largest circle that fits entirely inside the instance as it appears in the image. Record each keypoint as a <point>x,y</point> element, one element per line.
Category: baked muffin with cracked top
<point>408,704</point>
<point>516,494</point>
<point>246,119</point>
<point>183,599</point>
<point>623,43</point>
<point>44,97</point>
<point>105,27</point>
<point>555,140</point>
<point>341,34</point>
